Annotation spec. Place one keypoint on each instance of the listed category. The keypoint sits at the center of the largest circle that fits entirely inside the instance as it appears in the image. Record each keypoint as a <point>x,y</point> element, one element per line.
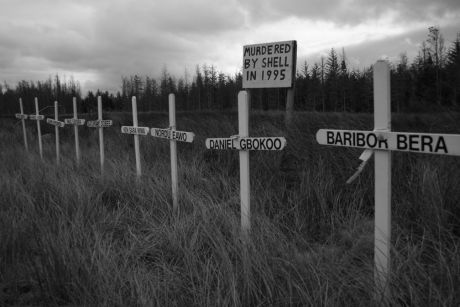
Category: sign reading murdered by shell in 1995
<point>269,65</point>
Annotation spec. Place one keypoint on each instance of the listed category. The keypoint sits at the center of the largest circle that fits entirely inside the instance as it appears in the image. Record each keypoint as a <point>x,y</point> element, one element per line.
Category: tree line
<point>430,83</point>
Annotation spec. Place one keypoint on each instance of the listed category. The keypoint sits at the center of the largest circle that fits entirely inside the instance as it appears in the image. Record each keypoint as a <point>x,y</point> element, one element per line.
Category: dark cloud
<point>351,11</point>
<point>99,41</point>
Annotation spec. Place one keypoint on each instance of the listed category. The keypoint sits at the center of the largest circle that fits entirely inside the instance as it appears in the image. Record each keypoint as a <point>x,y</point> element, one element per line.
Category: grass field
<point>69,237</point>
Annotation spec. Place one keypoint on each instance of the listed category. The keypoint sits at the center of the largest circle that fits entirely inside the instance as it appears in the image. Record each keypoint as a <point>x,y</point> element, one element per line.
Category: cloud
<point>350,11</point>
<point>99,41</point>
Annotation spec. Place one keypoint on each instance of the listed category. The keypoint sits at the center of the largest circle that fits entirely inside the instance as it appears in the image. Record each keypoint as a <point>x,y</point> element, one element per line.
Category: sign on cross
<point>38,117</point>
<point>173,135</point>
<point>75,121</point>
<point>55,122</point>
<point>136,131</point>
<point>22,117</point>
<point>100,124</point>
<point>381,142</point>
<point>243,143</point>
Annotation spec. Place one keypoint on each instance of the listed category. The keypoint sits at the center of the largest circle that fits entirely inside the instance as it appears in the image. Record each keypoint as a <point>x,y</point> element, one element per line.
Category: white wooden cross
<point>136,131</point>
<point>100,124</point>
<point>75,121</point>
<point>37,117</point>
<point>381,142</point>
<point>57,124</point>
<point>23,117</point>
<point>173,135</point>
<point>244,144</point>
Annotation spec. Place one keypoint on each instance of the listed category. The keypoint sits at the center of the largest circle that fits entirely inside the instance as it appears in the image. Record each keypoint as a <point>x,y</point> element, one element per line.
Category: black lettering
<point>427,142</point>
<point>269,144</point>
<point>247,63</point>
<point>287,48</point>
<point>253,75</point>
<point>360,139</point>
<point>329,137</point>
<point>338,139</point>
<point>347,139</point>
<point>247,51</point>
<point>262,144</point>
<point>277,49</point>
<point>277,144</point>
<point>371,137</point>
<point>254,62</point>
<point>283,74</point>
<point>401,141</point>
<point>441,144</point>
<point>413,142</point>
<point>264,62</point>
<point>383,141</point>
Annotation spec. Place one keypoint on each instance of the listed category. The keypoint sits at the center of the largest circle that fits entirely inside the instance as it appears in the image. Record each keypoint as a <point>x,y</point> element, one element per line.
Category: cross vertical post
<point>39,131</point>
<point>136,138</point>
<point>173,149</point>
<point>26,145</point>
<point>56,130</point>
<point>101,133</point>
<point>77,143</point>
<point>245,189</point>
<point>382,228</point>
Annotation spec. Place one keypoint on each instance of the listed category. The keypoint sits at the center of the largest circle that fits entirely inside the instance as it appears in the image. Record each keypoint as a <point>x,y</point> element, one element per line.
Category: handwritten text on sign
<point>21,116</point>
<point>252,143</point>
<point>269,65</point>
<point>55,122</point>
<point>99,123</point>
<point>74,121</point>
<point>444,144</point>
<point>135,130</point>
<point>170,134</point>
<point>36,117</point>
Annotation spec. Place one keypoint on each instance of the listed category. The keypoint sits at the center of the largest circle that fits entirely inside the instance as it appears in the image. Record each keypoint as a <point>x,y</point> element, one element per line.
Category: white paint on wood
<point>75,129</point>
<point>382,228</point>
<point>181,136</point>
<point>103,123</point>
<point>23,117</point>
<point>246,143</point>
<point>173,148</point>
<point>54,122</point>
<point>269,65</point>
<point>56,130</point>
<point>39,131</point>
<point>245,187</point>
<point>135,130</point>
<point>36,117</point>
<point>101,134</point>
<point>136,138</point>
<point>432,143</point>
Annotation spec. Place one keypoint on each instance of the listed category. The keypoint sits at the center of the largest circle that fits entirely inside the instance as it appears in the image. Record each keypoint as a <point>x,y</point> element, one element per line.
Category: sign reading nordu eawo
<point>269,65</point>
<point>443,144</point>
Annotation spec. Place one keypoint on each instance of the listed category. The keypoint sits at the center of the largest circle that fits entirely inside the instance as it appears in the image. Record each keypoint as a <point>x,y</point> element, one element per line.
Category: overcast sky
<point>98,41</point>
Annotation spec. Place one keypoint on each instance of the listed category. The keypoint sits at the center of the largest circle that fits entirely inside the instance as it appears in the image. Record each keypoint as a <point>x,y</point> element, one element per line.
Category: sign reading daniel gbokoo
<point>269,65</point>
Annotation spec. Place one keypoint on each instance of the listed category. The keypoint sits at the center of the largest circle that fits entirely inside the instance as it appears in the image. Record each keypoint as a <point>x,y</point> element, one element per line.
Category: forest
<point>431,82</point>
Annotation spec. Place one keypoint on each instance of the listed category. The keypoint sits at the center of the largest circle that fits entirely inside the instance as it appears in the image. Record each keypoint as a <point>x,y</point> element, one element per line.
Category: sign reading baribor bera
<point>443,144</point>
<point>269,65</point>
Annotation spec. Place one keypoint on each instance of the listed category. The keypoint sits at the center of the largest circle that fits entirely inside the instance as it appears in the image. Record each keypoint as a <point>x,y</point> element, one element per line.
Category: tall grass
<point>70,237</point>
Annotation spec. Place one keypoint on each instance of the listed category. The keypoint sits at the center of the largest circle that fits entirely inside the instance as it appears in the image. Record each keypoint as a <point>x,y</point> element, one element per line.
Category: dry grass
<point>70,237</point>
